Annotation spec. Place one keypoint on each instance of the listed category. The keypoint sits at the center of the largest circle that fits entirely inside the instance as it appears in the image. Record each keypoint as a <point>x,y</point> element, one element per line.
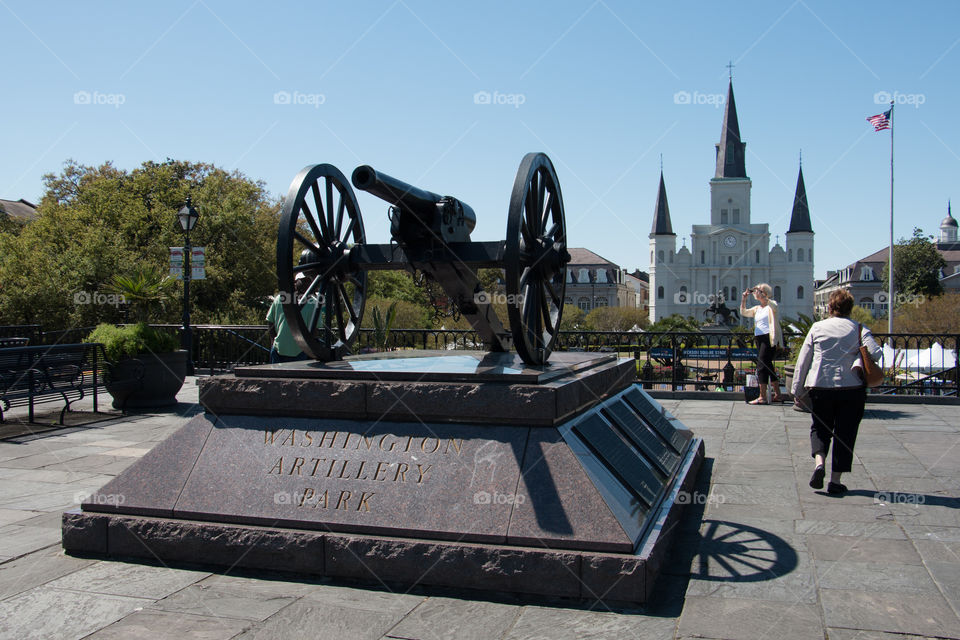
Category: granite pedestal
<point>467,470</point>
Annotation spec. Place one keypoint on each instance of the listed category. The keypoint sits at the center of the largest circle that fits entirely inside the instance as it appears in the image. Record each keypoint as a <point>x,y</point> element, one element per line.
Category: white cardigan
<point>829,353</point>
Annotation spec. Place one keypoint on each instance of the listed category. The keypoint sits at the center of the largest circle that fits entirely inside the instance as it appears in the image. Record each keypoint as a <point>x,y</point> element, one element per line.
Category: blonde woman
<point>766,332</point>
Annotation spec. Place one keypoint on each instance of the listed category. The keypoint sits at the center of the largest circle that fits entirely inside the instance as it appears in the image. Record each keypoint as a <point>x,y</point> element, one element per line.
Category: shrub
<point>130,340</point>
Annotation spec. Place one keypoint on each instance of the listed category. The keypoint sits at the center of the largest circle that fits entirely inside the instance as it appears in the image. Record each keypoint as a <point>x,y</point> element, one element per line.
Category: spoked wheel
<point>320,221</point>
<point>535,259</point>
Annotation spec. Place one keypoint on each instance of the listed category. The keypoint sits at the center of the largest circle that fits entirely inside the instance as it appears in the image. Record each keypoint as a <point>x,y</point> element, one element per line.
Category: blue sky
<point>267,88</point>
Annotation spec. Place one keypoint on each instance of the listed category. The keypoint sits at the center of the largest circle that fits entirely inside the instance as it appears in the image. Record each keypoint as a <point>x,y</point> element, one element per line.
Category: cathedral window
<point>758,256</point>
<point>800,255</point>
<point>776,294</point>
<point>723,216</point>
<point>790,255</point>
<point>703,256</point>
<point>800,293</point>
<point>659,293</point>
<point>671,256</point>
<point>736,216</point>
<point>660,255</point>
<point>730,260</point>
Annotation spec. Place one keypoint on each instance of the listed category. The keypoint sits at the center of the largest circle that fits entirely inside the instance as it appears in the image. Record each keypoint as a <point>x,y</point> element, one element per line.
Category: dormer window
<point>866,273</point>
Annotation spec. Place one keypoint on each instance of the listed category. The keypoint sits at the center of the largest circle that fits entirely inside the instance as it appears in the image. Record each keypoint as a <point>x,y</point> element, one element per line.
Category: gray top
<point>829,353</point>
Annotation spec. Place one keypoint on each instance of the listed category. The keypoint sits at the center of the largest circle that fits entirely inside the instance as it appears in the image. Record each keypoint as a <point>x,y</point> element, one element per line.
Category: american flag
<point>880,121</point>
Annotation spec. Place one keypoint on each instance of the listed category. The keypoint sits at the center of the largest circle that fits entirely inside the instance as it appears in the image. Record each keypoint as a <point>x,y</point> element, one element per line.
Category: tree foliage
<point>675,323</point>
<point>938,314</point>
<point>95,223</point>
<point>615,319</point>
<point>916,268</point>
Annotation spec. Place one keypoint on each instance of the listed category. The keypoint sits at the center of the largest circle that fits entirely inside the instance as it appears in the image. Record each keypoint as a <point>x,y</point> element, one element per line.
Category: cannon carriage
<point>322,236</point>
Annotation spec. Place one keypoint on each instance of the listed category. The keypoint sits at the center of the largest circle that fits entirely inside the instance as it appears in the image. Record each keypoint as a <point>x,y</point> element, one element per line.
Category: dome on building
<point>948,222</point>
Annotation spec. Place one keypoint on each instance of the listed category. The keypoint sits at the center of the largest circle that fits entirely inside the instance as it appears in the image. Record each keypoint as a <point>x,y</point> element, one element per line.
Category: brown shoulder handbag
<point>871,373</point>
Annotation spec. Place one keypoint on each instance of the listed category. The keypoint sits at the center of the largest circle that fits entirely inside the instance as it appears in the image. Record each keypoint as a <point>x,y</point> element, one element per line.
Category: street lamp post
<point>187,217</point>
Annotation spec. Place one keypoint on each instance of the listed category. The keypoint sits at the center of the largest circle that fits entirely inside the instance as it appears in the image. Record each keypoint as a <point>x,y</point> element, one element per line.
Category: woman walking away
<point>829,366</point>
<point>767,335</point>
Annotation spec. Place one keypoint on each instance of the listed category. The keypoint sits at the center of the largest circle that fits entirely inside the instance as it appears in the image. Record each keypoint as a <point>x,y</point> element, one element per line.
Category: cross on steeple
<point>730,67</point>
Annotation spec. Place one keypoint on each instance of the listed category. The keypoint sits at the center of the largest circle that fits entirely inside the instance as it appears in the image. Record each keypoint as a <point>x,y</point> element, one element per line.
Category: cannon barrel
<point>448,217</point>
<point>396,192</point>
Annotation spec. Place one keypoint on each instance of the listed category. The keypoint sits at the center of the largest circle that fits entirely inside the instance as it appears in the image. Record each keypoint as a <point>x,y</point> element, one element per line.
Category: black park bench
<point>29,374</point>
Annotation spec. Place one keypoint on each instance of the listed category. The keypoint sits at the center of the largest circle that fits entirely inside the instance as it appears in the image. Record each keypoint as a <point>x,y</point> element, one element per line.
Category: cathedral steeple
<point>800,218</point>
<point>661,213</point>
<point>730,150</point>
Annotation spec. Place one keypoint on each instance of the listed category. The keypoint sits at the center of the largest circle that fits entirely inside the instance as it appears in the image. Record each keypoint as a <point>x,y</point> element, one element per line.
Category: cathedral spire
<point>661,213</point>
<point>800,218</point>
<point>730,150</point>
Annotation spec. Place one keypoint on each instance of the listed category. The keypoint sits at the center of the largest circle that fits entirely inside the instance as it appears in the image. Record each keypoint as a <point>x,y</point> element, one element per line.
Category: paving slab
<point>45,613</point>
<point>455,619</point>
<point>35,569</point>
<point>748,619</point>
<point>144,625</point>
<point>324,622</point>
<point>547,623</point>
<point>926,614</point>
<point>127,579</point>
<point>223,603</point>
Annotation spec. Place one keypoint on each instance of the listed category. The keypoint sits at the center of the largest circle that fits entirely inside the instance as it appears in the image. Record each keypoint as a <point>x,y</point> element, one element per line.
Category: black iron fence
<point>915,364</point>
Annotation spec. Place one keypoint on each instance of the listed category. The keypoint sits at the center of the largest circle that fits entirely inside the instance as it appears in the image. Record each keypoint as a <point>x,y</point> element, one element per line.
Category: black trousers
<point>765,370</point>
<point>836,416</point>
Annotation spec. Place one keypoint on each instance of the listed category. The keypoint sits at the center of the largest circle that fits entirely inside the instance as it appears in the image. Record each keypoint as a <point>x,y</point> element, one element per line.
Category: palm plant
<point>144,289</point>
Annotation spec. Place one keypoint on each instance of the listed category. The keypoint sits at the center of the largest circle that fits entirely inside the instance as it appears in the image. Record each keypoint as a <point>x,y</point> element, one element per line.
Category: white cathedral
<point>732,252</point>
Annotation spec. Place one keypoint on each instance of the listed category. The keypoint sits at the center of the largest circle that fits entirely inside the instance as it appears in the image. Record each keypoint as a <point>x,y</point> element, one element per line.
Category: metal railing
<point>915,364</point>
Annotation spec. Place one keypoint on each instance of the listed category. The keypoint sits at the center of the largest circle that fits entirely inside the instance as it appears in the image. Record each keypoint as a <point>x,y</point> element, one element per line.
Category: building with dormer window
<point>593,281</point>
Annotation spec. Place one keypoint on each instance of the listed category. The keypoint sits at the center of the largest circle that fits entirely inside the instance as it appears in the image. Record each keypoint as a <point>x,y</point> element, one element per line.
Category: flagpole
<point>890,269</point>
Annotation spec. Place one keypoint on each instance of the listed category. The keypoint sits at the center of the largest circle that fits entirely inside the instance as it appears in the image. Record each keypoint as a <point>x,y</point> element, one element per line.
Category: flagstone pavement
<point>759,553</point>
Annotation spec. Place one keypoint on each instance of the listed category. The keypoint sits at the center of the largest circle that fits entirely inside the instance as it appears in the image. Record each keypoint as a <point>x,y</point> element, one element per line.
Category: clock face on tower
<point>730,242</point>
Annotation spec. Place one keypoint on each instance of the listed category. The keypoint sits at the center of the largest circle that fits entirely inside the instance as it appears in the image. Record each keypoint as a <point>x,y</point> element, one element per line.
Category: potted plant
<point>146,368</point>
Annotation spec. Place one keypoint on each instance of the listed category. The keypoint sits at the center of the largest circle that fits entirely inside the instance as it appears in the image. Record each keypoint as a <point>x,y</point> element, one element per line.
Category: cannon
<point>321,235</point>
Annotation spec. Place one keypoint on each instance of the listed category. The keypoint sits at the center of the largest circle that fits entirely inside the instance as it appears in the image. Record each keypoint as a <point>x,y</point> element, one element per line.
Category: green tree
<point>572,318</point>
<point>98,222</point>
<point>616,319</point>
<point>916,268</point>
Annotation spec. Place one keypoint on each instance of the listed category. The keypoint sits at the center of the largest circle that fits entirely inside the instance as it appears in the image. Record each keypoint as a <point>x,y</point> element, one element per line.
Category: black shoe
<point>836,488</point>
<point>816,480</point>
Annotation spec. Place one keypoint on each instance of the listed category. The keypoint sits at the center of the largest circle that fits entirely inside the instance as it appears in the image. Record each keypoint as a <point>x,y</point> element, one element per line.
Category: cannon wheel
<point>535,259</point>
<point>319,223</point>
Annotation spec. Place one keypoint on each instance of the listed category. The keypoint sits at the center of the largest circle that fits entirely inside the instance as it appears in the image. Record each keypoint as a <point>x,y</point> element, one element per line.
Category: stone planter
<point>149,380</point>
